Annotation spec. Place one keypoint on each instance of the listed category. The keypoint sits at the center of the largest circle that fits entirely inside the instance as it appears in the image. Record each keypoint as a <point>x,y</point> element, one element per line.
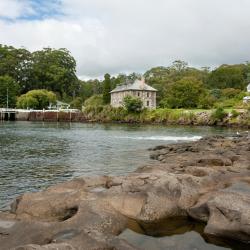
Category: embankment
<point>107,114</point>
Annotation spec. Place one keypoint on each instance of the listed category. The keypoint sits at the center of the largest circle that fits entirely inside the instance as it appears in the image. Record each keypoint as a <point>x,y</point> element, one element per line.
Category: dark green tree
<point>8,86</point>
<point>55,70</point>
<point>228,76</point>
<point>185,93</point>
<point>16,63</point>
<point>106,89</point>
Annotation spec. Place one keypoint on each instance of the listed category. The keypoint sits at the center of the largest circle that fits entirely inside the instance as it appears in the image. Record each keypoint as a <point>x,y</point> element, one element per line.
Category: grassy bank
<point>227,117</point>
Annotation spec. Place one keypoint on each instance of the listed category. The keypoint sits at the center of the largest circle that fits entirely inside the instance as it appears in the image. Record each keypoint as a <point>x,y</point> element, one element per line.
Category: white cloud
<point>134,35</point>
<point>15,8</point>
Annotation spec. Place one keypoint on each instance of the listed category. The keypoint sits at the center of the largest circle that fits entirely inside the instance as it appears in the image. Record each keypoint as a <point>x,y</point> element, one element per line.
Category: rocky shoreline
<point>207,181</point>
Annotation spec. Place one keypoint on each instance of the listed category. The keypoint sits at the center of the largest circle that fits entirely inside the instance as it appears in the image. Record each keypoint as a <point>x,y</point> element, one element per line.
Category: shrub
<point>230,92</point>
<point>94,101</point>
<point>76,103</point>
<point>132,104</point>
<point>219,114</point>
<point>234,113</point>
<point>216,93</point>
<point>206,101</point>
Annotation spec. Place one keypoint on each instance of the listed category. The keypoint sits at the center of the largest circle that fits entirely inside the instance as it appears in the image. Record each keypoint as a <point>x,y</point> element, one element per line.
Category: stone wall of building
<point>148,98</point>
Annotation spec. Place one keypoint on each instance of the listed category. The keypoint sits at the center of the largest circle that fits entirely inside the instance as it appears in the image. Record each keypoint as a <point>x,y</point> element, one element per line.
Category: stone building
<point>138,89</point>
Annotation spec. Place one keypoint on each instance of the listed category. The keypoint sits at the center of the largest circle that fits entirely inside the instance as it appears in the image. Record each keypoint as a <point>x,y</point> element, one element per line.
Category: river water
<point>34,155</point>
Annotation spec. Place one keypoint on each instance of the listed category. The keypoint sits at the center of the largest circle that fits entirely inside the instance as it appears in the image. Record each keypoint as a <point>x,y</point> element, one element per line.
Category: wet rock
<point>208,180</point>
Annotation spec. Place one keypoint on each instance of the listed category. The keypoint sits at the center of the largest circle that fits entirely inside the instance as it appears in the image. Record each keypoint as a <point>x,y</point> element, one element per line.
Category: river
<point>35,155</point>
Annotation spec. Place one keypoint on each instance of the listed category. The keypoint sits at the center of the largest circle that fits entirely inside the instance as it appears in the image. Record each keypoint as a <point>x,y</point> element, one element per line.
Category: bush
<point>76,103</point>
<point>185,93</point>
<point>36,99</point>
<point>219,114</point>
<point>230,92</point>
<point>132,104</point>
<point>234,113</point>
<point>206,101</point>
<point>94,101</point>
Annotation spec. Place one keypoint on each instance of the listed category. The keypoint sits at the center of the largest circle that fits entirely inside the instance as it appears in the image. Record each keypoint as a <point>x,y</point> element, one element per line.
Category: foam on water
<point>163,138</point>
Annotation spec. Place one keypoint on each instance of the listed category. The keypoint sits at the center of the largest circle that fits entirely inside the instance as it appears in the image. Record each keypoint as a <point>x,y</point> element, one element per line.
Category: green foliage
<point>36,99</point>
<point>94,101</point>
<point>235,113</point>
<point>184,93</point>
<point>54,70</point>
<point>50,69</point>
<point>106,89</point>
<point>132,104</point>
<point>8,84</point>
<point>206,100</point>
<point>228,76</point>
<point>77,103</point>
<point>89,88</point>
<point>162,78</point>
<point>16,63</point>
<point>219,114</point>
<point>230,92</point>
<point>216,93</point>
<point>178,85</point>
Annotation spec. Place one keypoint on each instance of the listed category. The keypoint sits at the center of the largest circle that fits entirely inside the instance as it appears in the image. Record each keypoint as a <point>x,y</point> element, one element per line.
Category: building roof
<point>136,85</point>
<point>62,103</point>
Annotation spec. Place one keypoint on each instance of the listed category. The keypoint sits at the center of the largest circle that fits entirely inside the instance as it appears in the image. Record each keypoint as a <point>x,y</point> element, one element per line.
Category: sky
<point>123,36</point>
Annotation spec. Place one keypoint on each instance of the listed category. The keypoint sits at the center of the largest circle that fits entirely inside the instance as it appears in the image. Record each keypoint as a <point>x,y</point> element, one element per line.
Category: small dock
<point>8,114</point>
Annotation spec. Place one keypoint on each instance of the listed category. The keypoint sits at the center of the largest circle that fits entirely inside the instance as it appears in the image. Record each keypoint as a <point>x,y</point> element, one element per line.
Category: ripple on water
<point>35,155</point>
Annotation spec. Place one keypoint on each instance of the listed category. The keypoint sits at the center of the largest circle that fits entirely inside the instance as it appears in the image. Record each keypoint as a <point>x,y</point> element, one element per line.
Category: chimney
<point>142,82</point>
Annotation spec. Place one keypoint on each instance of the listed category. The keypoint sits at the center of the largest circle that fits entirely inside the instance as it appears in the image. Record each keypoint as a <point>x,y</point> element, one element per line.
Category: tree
<point>106,89</point>
<point>132,104</point>
<point>51,69</point>
<point>55,70</point>
<point>16,63</point>
<point>228,76</point>
<point>10,87</point>
<point>162,78</point>
<point>36,99</point>
<point>179,66</point>
<point>184,93</point>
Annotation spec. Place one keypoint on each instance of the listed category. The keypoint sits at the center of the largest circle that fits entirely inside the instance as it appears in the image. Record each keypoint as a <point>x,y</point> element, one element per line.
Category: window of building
<point>147,103</point>
<point>138,93</point>
<point>147,94</point>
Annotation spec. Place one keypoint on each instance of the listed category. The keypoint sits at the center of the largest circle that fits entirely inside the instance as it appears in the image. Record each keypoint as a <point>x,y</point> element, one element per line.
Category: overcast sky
<point>131,35</point>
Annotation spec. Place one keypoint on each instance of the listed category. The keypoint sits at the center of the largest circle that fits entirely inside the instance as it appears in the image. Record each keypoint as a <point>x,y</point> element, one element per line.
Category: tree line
<point>54,70</point>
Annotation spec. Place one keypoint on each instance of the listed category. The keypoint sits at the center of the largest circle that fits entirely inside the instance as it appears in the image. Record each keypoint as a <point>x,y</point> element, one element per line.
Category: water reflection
<point>176,233</point>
